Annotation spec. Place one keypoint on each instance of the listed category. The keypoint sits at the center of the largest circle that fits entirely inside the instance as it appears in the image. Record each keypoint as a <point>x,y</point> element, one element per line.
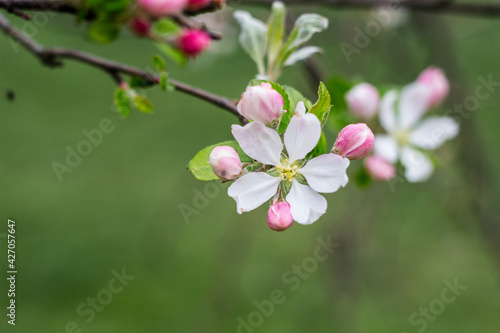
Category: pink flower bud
<point>379,168</point>
<point>192,42</point>
<point>198,4</point>
<point>437,83</point>
<point>261,103</point>
<point>140,26</point>
<point>279,217</point>
<point>225,162</point>
<point>354,141</point>
<point>362,100</point>
<point>158,8</point>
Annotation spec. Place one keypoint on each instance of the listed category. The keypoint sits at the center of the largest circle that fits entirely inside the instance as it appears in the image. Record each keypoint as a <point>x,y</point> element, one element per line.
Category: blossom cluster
<point>410,134</point>
<point>284,171</point>
<point>190,41</point>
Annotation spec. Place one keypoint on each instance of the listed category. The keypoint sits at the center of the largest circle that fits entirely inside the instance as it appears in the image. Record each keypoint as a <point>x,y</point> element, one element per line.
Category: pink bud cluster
<point>261,103</point>
<point>439,87</point>
<point>225,162</point>
<point>279,217</point>
<point>363,100</point>
<point>160,8</point>
<point>379,168</point>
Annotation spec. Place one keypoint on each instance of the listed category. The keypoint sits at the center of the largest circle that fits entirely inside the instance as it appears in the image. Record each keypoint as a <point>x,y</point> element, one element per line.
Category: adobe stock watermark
<point>381,18</point>
<point>459,111</point>
<point>421,318</point>
<point>292,279</point>
<point>88,309</point>
<point>201,200</point>
<point>40,19</point>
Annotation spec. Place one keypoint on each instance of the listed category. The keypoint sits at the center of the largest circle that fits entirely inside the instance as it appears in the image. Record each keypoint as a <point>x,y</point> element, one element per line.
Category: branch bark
<point>53,57</point>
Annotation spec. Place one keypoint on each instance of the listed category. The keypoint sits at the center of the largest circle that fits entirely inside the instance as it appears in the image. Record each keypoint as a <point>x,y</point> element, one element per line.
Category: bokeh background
<point>120,209</point>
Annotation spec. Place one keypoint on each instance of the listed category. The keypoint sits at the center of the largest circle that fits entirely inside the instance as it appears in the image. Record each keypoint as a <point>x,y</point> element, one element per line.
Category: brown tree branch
<point>53,57</point>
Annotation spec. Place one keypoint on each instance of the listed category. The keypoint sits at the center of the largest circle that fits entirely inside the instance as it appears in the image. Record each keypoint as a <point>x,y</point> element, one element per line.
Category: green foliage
<point>143,104</point>
<point>362,178</point>
<point>200,166</point>
<point>276,30</point>
<point>122,102</point>
<point>164,82</point>
<point>172,53</point>
<point>166,27</point>
<point>136,82</point>
<point>110,16</point>
<point>253,38</point>
<point>323,106</point>
<point>159,63</point>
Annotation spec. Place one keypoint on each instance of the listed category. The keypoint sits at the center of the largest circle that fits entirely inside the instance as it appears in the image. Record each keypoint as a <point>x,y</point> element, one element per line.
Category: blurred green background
<point>120,209</point>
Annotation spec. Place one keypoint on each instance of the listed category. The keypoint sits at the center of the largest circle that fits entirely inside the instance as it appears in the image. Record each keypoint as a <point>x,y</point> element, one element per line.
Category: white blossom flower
<point>409,134</point>
<point>325,173</point>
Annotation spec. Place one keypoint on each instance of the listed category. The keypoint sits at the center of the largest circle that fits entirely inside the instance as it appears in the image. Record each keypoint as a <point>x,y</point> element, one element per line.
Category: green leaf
<point>166,27</point>
<point>200,166</point>
<point>159,63</point>
<point>122,102</point>
<point>302,54</point>
<point>276,24</point>
<point>320,148</point>
<point>172,53</point>
<point>103,31</point>
<point>322,107</point>
<point>163,81</point>
<point>253,38</point>
<point>305,27</point>
<point>143,104</point>
<point>136,82</point>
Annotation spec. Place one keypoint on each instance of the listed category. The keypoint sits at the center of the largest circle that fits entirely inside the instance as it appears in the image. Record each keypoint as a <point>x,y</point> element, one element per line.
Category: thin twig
<point>53,57</point>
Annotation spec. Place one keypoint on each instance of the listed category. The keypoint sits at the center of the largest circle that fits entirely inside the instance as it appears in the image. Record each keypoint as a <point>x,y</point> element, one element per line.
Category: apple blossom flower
<point>261,103</point>
<point>408,134</point>
<point>225,162</point>
<point>159,8</point>
<point>355,141</point>
<point>325,173</point>
<point>379,168</point>
<point>193,42</point>
<point>363,100</point>
<point>279,217</point>
<point>438,85</point>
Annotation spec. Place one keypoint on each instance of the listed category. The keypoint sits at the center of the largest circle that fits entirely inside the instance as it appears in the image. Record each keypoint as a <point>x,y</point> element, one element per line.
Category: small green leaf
<point>143,104</point>
<point>103,31</point>
<point>253,38</point>
<point>172,53</point>
<point>159,63</point>
<point>276,24</point>
<point>122,102</point>
<point>322,107</point>
<point>136,82</point>
<point>338,87</point>
<point>163,81</point>
<point>166,27</point>
<point>200,166</point>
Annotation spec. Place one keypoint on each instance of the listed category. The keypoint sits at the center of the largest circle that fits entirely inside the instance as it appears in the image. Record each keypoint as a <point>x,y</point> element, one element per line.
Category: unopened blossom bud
<point>363,100</point>
<point>158,8</point>
<point>225,162</point>
<point>355,141</point>
<point>198,4</point>
<point>279,217</point>
<point>192,42</point>
<point>261,103</point>
<point>435,79</point>
<point>140,26</point>
<point>379,168</point>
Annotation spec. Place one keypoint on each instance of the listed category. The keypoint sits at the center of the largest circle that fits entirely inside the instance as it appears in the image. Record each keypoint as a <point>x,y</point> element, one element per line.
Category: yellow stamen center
<point>402,136</point>
<point>287,171</point>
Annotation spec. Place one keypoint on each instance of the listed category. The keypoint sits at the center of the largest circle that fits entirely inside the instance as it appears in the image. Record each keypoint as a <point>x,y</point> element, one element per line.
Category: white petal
<point>413,104</point>
<point>433,132</point>
<point>306,205</point>
<point>387,114</point>
<point>418,167</point>
<point>302,134</point>
<point>259,142</point>
<point>386,147</point>
<point>326,173</point>
<point>252,190</point>
<point>300,109</point>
